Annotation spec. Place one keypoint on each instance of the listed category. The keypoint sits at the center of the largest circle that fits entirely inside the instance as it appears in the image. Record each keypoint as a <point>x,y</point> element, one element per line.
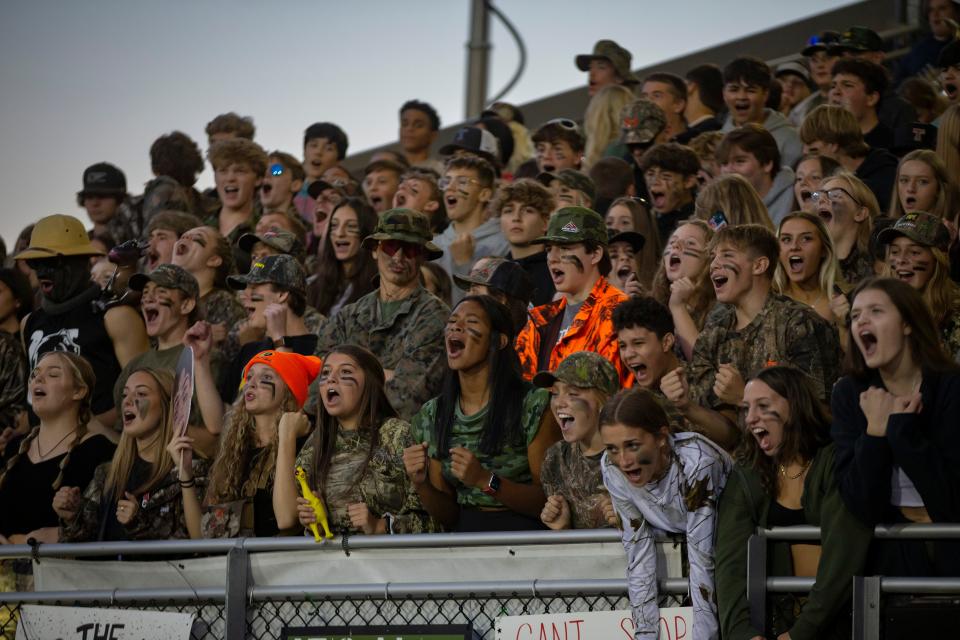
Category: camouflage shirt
<point>512,461</point>
<point>410,343</point>
<point>382,485</point>
<point>678,421</point>
<point>13,379</point>
<point>576,477</point>
<point>784,332</point>
<point>950,331</point>
<point>160,516</point>
<point>856,266</point>
<point>220,306</point>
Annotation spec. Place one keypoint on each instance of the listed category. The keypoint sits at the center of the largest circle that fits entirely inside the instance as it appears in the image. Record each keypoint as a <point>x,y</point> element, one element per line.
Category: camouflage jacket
<point>856,266</point>
<point>411,344</point>
<point>381,484</point>
<point>160,516</point>
<point>678,421</point>
<point>576,477</point>
<point>220,306</point>
<point>784,332</point>
<point>13,380</point>
<point>950,331</point>
<point>512,461</point>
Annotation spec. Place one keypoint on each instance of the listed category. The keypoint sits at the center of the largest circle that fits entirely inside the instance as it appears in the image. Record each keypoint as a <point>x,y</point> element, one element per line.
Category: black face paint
<point>272,386</point>
<point>474,333</point>
<point>692,253</point>
<point>646,462</point>
<point>68,275</point>
<point>143,407</point>
<point>574,260</point>
<point>731,267</point>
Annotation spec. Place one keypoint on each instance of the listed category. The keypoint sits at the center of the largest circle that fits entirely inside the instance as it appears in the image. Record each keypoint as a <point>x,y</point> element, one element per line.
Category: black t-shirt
<point>668,222</point>
<point>880,137</point>
<point>26,497</point>
<point>536,267</point>
<point>139,474</point>
<point>879,172</point>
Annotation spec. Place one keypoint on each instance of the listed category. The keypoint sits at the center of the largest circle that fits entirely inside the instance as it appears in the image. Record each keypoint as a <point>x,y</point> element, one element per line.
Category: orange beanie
<point>296,370</point>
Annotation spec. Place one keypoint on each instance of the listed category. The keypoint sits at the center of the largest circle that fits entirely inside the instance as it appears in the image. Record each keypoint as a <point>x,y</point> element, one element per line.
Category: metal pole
<point>236,600</point>
<point>478,56</point>
<point>757,580</point>
<point>866,607</point>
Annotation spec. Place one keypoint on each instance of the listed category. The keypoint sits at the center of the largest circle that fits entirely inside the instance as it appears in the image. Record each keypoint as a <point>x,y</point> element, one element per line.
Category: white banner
<point>676,623</point>
<point>82,623</point>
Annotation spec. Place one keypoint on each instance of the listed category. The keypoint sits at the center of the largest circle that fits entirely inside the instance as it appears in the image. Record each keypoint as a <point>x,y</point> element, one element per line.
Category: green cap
<point>572,179</point>
<point>584,369</point>
<point>282,270</point>
<point>921,227</point>
<point>168,276</point>
<point>858,38</point>
<point>279,240</point>
<point>574,224</point>
<point>641,121</point>
<point>405,225</point>
<point>616,55</point>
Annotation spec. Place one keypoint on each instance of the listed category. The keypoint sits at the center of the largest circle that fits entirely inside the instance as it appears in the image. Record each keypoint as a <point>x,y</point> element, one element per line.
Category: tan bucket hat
<point>58,235</point>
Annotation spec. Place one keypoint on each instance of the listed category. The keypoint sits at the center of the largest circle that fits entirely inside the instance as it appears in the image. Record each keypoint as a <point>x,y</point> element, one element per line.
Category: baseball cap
<point>915,135</point>
<point>103,179</point>
<point>570,178</point>
<point>613,53</point>
<point>921,227</point>
<point>795,67</point>
<point>405,225</point>
<point>280,240</point>
<point>858,38</point>
<point>583,369</point>
<point>949,55</point>
<point>570,225</point>
<point>169,276</point>
<point>501,274</point>
<point>634,239</point>
<point>562,128</point>
<point>475,140</point>
<point>319,186</point>
<point>58,235</point>
<point>297,371</point>
<point>282,270</point>
<point>641,121</point>
<point>820,42</point>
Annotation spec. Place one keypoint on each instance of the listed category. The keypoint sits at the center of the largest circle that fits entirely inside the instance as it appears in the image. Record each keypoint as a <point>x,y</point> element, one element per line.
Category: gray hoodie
<point>788,140</point>
<point>488,240</point>
<point>779,199</point>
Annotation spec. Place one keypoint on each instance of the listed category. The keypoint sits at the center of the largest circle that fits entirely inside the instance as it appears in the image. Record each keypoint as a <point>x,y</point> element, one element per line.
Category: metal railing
<point>241,609</point>
<point>866,589</point>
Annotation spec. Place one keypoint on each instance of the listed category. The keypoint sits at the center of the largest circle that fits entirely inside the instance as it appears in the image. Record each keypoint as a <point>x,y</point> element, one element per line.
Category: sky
<point>99,80</point>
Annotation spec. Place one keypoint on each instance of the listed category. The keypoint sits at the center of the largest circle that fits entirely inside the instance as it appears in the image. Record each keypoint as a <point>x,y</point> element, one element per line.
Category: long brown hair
<point>940,293</point>
<point>923,339</point>
<point>330,279</point>
<point>704,295</point>
<point>805,431</point>
<point>231,468</point>
<point>83,377</point>
<point>122,464</point>
<point>374,409</point>
<point>648,258</point>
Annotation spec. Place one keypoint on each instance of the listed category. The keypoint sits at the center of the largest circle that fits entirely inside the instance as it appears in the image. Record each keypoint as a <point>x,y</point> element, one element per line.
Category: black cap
<point>103,179</point>
<point>634,239</point>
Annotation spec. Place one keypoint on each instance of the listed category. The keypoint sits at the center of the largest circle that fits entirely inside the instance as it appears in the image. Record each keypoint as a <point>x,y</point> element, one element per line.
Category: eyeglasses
<point>461,182</point>
<point>276,169</point>
<point>833,195</point>
<point>410,250</point>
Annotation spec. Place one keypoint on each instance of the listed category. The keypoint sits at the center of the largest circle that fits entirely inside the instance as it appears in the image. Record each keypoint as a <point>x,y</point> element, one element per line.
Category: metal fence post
<point>236,596</point>
<point>866,607</point>
<point>757,580</point>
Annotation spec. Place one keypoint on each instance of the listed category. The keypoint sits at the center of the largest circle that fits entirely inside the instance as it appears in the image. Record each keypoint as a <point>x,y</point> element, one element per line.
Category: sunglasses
<point>276,169</point>
<point>410,250</point>
<point>565,123</point>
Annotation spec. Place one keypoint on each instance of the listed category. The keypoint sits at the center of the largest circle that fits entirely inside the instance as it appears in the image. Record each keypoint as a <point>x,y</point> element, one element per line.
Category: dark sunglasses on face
<point>276,169</point>
<point>409,249</point>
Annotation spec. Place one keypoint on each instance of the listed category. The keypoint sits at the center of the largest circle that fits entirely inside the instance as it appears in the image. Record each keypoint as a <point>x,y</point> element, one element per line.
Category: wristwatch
<point>279,342</point>
<point>493,485</point>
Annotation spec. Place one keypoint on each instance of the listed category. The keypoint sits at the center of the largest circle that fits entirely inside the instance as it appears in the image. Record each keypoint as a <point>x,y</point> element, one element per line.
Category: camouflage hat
<point>641,121</point>
<point>584,369</point>
<point>921,227</point>
<point>405,225</point>
<point>280,240</point>
<point>500,274</point>
<point>858,38</point>
<point>570,178</point>
<point>282,270</point>
<point>570,225</point>
<point>613,53</point>
<point>168,276</point>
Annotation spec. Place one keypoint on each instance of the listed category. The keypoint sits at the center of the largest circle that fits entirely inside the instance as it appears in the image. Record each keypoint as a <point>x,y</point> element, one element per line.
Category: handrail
<point>912,531</point>
<point>302,543</point>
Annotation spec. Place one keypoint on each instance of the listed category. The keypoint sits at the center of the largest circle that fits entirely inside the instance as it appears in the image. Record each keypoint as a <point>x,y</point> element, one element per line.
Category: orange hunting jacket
<point>591,330</point>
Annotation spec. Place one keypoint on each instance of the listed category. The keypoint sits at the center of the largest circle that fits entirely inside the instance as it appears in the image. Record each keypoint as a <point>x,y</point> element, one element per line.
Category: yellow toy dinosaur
<point>318,509</point>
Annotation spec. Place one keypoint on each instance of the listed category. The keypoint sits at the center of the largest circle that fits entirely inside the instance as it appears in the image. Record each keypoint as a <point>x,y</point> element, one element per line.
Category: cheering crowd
<point>712,303</point>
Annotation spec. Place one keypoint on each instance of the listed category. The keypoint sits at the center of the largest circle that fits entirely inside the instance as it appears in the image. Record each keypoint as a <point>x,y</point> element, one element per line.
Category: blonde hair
<point>736,198</point>
<point>948,196</point>
<point>601,122</point>
<point>948,140</point>
<point>123,460</point>
<point>863,197</point>
<point>828,269</point>
<point>83,377</point>
<point>230,477</point>
<point>704,296</point>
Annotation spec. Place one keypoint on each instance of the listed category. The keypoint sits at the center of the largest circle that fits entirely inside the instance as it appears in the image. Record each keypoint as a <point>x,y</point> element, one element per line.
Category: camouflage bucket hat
<point>575,224</point>
<point>572,179</point>
<point>640,122</point>
<point>921,227</point>
<point>405,225</point>
<point>168,276</point>
<point>282,270</point>
<point>584,369</point>
<point>616,55</point>
<point>282,241</point>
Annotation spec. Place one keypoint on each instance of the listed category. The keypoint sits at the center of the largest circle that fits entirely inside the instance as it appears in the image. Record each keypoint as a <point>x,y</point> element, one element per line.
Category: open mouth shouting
<point>805,195</point>
<point>266,188</point>
<point>952,91</point>
<point>150,315</point>
<point>639,370</point>
<point>624,272</point>
<point>46,286</point>
<point>826,214</point>
<point>868,343</point>
<point>910,203</point>
<point>455,347</point>
<point>342,247</point>
<point>795,264</point>
<point>566,422</point>
<point>331,397</point>
<point>128,417</point>
<point>659,199</point>
<point>719,280</point>
<point>742,109</point>
<point>764,441</point>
